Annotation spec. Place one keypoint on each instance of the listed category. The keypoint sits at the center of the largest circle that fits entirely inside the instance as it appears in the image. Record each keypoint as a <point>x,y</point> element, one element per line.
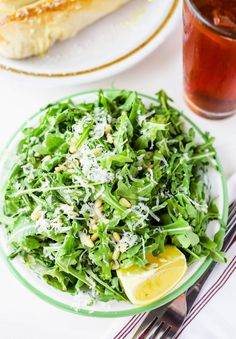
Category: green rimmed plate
<point>77,304</point>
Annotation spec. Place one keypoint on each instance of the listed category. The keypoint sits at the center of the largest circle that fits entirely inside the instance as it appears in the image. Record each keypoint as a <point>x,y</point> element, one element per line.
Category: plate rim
<point>93,71</point>
<point>129,312</point>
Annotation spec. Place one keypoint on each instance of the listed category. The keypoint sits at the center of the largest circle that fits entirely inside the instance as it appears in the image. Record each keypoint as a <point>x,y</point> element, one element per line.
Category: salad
<point>100,186</point>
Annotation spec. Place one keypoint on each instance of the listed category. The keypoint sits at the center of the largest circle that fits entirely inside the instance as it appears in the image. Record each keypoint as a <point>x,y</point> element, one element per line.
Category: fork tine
<point>146,325</point>
<point>160,331</point>
<point>168,334</point>
<point>149,328</point>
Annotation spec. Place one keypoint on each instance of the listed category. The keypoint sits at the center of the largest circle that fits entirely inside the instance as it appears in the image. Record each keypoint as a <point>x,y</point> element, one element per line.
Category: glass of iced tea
<point>209,57</point>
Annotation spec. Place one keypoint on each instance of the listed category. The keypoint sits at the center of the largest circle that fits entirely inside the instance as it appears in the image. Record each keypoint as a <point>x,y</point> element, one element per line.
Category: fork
<point>166,321</point>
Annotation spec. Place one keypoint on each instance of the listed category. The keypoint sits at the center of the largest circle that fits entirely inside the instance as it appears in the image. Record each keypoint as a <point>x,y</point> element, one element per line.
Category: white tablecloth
<point>22,314</point>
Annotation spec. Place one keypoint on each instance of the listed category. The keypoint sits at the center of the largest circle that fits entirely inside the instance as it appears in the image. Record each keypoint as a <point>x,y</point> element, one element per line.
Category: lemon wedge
<point>144,285</point>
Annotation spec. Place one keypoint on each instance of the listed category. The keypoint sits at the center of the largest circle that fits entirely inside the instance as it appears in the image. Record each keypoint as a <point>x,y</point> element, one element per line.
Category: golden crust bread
<point>8,6</point>
<point>33,29</point>
<point>15,3</point>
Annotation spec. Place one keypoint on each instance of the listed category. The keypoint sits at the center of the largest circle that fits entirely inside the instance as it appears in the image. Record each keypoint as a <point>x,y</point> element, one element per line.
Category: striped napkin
<point>212,316</point>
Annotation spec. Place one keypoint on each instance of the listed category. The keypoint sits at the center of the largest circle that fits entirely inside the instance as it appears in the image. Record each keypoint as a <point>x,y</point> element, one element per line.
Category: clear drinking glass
<point>209,57</point>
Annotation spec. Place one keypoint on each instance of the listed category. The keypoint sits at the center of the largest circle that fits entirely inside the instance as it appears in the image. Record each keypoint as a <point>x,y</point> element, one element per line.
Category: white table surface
<point>22,314</point>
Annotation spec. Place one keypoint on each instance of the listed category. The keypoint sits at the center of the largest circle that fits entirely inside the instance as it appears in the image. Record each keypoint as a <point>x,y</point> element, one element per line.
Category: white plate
<point>107,47</point>
<point>78,303</point>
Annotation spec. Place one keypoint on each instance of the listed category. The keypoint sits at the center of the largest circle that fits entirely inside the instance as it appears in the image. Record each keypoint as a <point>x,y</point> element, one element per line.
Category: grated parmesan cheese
<point>91,168</point>
<point>128,240</point>
<point>68,210</point>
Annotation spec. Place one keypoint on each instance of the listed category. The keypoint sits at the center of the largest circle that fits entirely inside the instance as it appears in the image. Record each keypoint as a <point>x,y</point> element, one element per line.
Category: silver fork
<point>165,322</point>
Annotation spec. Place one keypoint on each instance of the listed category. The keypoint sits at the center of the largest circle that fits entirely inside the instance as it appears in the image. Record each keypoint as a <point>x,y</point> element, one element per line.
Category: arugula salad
<point>98,185</point>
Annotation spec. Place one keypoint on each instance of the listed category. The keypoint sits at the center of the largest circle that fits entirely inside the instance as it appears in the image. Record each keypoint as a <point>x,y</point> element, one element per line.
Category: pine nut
<point>58,169</point>
<point>86,240</point>
<point>97,151</point>
<point>116,236</point>
<point>109,138</point>
<point>76,162</point>
<point>72,149</point>
<point>94,237</point>
<point>98,203</point>
<point>108,129</point>
<point>125,203</point>
<point>36,214</point>
<point>115,265</point>
<point>92,226</point>
<point>116,254</point>
<point>97,213</point>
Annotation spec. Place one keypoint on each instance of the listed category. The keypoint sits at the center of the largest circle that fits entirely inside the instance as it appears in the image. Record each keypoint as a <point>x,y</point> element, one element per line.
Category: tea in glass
<point>209,57</point>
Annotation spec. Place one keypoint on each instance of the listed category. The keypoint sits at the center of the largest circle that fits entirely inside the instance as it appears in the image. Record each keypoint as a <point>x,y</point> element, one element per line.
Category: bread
<point>32,27</point>
<point>8,6</point>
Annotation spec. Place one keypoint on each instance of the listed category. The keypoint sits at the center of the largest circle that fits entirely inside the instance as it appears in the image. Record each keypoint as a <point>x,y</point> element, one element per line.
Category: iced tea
<point>210,57</point>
